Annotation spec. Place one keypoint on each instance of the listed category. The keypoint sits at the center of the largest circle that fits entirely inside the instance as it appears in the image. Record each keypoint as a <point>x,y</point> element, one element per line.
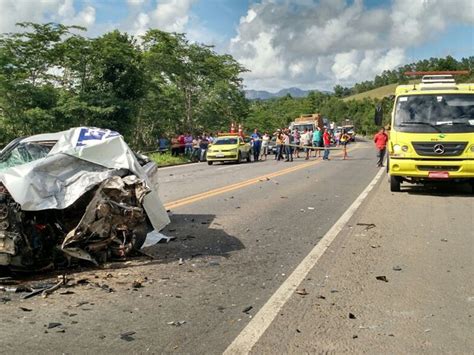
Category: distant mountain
<point>265,95</point>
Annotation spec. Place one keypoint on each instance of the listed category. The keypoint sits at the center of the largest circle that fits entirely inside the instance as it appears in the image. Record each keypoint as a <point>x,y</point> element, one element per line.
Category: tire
<point>248,157</point>
<point>209,162</point>
<point>239,157</point>
<point>394,184</point>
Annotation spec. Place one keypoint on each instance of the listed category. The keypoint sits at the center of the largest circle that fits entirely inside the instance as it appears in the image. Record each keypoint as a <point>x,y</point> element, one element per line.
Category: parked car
<point>229,148</point>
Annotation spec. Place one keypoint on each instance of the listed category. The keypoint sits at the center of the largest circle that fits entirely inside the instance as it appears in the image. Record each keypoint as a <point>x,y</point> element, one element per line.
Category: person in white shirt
<point>265,143</point>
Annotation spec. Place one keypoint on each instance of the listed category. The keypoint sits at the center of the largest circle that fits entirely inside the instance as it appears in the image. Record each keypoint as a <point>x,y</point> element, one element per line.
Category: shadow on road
<point>196,236</point>
<point>439,189</point>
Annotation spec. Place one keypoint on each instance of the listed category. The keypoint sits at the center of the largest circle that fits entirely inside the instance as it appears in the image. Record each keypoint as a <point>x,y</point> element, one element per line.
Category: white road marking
<point>249,336</point>
<point>178,166</point>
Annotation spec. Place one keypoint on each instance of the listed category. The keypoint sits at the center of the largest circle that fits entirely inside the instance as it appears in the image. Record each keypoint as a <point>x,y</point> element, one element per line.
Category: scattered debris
<point>355,336</point>
<point>214,263</point>
<point>136,284</point>
<point>367,225</point>
<point>24,309</point>
<point>127,336</point>
<point>352,316</point>
<point>155,237</point>
<point>181,261</point>
<point>301,292</point>
<point>311,208</point>
<point>284,197</point>
<point>334,290</point>
<point>321,297</point>
<point>382,278</point>
<point>375,246</point>
<point>302,210</point>
<point>298,331</point>
<point>397,268</point>
<point>53,325</point>
<point>247,309</point>
<point>444,240</point>
<point>177,323</point>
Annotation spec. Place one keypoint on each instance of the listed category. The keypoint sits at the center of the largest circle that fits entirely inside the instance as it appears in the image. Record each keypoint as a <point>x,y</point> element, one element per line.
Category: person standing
<point>188,141</point>
<point>327,144</point>
<point>203,144</point>
<point>257,144</point>
<point>279,145</point>
<point>288,140</point>
<point>380,140</point>
<point>317,138</point>
<point>344,140</point>
<point>265,143</point>
<point>296,140</point>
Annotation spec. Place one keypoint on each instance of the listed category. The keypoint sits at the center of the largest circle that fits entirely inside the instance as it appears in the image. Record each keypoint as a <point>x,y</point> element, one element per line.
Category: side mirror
<point>378,117</point>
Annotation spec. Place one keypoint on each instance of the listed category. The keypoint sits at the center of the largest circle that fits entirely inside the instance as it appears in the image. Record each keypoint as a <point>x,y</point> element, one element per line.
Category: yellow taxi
<point>229,147</point>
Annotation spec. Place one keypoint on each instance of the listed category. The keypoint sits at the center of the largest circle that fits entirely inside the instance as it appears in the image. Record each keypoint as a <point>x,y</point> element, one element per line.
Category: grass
<point>378,93</point>
<point>166,159</point>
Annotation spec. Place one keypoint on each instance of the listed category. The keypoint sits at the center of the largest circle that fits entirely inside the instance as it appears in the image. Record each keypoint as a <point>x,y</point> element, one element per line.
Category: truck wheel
<point>209,163</point>
<point>394,184</point>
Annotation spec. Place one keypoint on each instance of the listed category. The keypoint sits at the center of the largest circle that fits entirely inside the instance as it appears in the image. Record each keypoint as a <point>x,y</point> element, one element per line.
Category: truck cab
<point>432,132</point>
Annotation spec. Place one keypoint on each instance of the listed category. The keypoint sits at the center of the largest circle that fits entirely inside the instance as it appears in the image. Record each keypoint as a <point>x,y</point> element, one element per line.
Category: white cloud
<point>309,43</point>
<point>13,11</point>
<point>172,15</point>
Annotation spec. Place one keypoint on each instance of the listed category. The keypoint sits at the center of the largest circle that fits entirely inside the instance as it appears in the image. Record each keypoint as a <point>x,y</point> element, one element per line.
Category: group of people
<point>194,147</point>
<point>289,144</point>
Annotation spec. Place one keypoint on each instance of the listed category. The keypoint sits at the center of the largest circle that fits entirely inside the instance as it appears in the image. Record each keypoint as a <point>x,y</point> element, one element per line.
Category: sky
<point>310,44</point>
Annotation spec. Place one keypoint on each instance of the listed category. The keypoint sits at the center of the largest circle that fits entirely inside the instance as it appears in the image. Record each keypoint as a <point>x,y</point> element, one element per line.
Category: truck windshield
<point>302,127</point>
<point>444,113</point>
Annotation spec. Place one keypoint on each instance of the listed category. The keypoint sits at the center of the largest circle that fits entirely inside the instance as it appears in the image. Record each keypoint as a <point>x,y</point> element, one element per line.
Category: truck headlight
<point>397,148</point>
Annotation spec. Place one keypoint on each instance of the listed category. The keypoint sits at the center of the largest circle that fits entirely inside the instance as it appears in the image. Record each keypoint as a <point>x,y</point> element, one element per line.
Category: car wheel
<point>209,163</point>
<point>239,157</point>
<point>394,184</point>
<point>248,157</point>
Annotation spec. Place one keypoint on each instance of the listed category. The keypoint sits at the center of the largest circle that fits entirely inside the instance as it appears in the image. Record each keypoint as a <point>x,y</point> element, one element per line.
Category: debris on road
<point>367,225</point>
<point>24,309</point>
<point>302,292</point>
<point>382,278</point>
<point>128,336</point>
<point>444,240</point>
<point>53,325</point>
<point>247,309</point>
<point>177,323</point>
<point>397,268</point>
<point>352,316</point>
<point>311,208</point>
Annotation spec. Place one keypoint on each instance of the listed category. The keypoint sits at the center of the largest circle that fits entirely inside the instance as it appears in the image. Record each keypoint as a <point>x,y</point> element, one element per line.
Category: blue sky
<point>304,43</point>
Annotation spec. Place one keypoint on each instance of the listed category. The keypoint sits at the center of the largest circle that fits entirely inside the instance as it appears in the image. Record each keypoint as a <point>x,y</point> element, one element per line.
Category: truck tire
<point>394,184</point>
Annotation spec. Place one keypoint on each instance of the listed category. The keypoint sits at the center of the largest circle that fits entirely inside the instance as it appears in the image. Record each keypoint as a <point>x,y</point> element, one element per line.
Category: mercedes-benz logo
<point>438,149</point>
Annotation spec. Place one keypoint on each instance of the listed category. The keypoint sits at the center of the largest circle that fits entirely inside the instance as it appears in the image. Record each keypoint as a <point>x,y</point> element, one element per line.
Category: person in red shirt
<point>380,140</point>
<point>327,143</point>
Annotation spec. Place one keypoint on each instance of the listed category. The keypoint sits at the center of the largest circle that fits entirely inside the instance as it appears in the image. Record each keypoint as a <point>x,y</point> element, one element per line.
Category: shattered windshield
<point>435,113</point>
<point>23,153</point>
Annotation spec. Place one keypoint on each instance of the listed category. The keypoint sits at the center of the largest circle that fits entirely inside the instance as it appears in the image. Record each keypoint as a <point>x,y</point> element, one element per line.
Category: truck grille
<point>439,149</point>
<point>438,167</point>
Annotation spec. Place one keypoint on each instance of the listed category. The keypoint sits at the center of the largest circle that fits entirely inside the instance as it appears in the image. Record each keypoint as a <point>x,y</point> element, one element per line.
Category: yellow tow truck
<point>432,131</point>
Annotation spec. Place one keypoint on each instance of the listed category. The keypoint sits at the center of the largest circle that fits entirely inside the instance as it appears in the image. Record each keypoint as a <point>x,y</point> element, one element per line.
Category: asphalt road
<point>241,231</point>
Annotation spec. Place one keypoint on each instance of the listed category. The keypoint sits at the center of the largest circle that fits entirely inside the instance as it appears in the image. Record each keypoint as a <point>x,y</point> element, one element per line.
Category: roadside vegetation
<point>166,159</point>
<point>159,84</point>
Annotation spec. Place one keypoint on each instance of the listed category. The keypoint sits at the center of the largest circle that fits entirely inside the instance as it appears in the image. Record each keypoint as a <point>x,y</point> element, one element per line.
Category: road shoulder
<point>425,304</point>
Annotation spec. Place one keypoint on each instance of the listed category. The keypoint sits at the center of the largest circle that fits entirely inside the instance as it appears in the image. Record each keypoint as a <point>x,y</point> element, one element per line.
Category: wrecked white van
<point>77,194</point>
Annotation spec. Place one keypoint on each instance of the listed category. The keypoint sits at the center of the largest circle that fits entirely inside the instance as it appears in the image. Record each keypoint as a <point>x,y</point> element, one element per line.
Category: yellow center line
<point>207,194</point>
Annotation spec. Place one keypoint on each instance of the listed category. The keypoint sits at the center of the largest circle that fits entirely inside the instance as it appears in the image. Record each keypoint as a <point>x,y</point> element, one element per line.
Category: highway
<point>276,257</point>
